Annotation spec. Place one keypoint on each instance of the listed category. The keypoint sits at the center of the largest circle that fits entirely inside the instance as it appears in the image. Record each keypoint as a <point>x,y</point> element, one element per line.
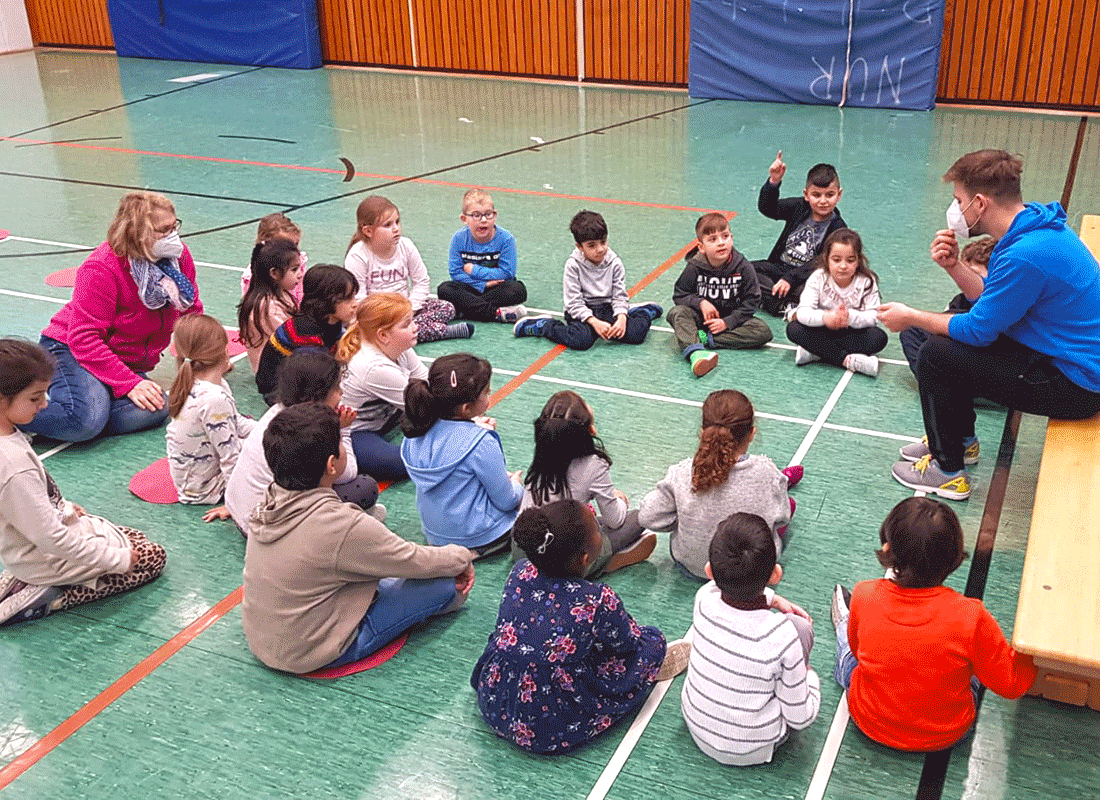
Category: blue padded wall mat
<point>796,51</point>
<point>273,33</point>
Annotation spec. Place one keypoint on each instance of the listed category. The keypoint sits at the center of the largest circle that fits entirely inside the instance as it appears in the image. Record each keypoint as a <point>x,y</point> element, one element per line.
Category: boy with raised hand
<point>325,583</point>
<point>809,220</point>
<point>748,680</point>
<point>715,299</point>
<point>482,266</point>
<point>594,295</point>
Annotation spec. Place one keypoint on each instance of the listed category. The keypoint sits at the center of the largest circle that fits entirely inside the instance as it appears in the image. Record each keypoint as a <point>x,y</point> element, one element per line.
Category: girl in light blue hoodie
<point>464,491</point>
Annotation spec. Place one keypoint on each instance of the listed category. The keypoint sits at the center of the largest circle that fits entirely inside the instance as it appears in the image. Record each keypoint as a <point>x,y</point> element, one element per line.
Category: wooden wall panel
<point>637,41</point>
<point>70,23</point>
<point>374,32</point>
<point>1031,52</point>
<point>513,37</point>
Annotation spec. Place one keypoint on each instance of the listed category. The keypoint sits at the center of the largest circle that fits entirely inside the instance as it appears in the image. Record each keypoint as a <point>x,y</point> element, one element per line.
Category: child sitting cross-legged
<point>594,292</point>
<point>912,653</point>
<point>325,583</point>
<point>715,299</point>
<point>748,680</point>
<point>566,661</point>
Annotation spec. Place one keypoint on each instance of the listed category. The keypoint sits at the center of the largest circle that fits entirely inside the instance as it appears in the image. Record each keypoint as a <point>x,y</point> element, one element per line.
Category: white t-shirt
<point>394,274</point>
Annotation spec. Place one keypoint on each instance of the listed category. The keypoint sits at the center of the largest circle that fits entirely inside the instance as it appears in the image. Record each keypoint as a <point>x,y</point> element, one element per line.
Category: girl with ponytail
<point>206,432</point>
<point>464,491</point>
<point>720,479</point>
<point>377,349</point>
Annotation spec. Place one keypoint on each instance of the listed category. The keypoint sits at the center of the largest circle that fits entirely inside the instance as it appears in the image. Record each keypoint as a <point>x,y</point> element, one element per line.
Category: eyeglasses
<point>171,229</point>
<point>480,216</point>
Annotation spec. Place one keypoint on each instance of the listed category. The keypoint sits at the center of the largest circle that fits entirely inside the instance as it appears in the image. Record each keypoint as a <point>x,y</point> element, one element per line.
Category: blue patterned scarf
<point>162,283</point>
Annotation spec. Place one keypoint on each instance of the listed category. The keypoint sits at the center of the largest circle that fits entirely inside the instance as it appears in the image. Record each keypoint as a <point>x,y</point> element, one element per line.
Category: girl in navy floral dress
<point>566,661</point>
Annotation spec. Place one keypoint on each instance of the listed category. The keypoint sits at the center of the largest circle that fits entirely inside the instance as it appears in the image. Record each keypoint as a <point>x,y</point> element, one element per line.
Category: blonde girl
<point>697,493</point>
<point>206,431</point>
<point>55,554</point>
<point>377,348</point>
<point>383,260</point>
<point>837,316</point>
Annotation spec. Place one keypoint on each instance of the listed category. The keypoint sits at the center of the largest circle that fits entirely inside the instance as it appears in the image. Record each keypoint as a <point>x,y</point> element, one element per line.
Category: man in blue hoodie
<point>1031,341</point>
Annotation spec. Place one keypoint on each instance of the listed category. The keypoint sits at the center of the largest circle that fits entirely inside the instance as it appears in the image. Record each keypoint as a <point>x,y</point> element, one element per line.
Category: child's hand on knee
<point>708,309</point>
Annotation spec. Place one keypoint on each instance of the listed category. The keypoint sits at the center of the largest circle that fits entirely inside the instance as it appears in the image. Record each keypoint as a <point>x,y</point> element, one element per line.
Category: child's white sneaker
<point>378,511</point>
<point>511,313</point>
<point>839,607</point>
<point>676,659</point>
<point>802,356</point>
<point>858,362</point>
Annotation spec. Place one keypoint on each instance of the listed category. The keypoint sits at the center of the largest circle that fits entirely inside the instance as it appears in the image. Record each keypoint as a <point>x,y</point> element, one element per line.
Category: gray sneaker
<point>926,476</point>
<point>378,511</point>
<point>918,450</point>
<point>839,609</point>
<point>30,602</point>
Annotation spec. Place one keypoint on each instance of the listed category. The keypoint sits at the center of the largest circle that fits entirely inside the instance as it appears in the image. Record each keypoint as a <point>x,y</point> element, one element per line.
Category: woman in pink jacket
<point>127,297</point>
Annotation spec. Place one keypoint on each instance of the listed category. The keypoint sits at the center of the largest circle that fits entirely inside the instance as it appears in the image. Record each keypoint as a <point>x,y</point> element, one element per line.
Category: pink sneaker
<point>794,475</point>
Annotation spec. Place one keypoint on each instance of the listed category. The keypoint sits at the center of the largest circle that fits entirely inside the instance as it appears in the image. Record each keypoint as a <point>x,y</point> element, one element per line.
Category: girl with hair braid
<point>720,479</point>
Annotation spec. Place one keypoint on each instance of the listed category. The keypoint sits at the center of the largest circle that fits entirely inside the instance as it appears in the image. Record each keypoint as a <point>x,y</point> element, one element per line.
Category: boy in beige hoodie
<point>324,582</point>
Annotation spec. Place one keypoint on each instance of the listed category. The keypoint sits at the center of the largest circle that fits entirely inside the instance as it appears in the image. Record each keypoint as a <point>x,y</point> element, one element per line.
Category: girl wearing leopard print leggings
<point>55,555</point>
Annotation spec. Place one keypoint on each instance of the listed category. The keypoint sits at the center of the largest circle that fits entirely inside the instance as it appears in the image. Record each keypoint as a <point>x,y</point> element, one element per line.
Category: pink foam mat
<point>64,278</point>
<point>370,662</point>
<point>154,484</point>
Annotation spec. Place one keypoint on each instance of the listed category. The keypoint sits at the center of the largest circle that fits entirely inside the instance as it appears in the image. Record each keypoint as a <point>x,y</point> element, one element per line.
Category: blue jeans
<point>579,335</point>
<point>378,457</point>
<point>81,407</point>
<point>399,604</point>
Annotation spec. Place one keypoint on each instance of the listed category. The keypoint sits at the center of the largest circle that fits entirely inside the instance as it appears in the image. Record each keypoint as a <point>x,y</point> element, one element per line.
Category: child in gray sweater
<point>699,492</point>
<point>597,305</point>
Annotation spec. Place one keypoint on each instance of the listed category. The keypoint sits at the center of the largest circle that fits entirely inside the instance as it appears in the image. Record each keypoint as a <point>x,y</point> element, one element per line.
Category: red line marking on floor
<point>90,709</point>
<point>146,666</point>
<point>358,175</point>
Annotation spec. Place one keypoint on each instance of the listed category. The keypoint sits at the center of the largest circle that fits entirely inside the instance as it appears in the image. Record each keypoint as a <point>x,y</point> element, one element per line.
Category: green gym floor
<point>155,694</point>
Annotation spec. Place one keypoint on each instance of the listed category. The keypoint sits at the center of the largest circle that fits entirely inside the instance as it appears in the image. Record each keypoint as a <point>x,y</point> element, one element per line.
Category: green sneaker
<point>706,338</point>
<point>702,362</point>
<point>918,450</point>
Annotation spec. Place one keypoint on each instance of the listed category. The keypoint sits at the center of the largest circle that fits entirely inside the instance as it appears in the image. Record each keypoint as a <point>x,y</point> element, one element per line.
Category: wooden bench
<point>1058,616</point>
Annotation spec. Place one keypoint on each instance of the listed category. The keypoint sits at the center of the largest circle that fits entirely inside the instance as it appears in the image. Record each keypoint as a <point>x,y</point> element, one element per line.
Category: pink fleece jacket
<point>108,329</point>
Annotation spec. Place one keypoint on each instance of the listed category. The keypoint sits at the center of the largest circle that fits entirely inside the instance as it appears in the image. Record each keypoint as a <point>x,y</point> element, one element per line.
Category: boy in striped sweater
<point>748,680</point>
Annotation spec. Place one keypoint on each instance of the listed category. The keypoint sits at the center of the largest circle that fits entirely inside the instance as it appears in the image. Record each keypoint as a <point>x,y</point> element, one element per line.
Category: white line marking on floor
<point>72,246</point>
<point>826,410</point>
<point>202,76</point>
<point>54,450</point>
<point>824,769</point>
<point>12,293</point>
<point>633,735</point>
<point>696,404</point>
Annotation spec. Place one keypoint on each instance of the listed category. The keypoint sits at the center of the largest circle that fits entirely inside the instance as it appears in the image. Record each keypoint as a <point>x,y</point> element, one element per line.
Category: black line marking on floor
<point>452,167</point>
<point>93,112</point>
<point>67,141</point>
<point>934,772</point>
<point>350,170</point>
<point>255,138</point>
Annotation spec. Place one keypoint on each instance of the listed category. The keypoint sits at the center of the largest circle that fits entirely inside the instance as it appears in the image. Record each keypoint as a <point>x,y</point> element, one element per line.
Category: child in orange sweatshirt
<point>913,653</point>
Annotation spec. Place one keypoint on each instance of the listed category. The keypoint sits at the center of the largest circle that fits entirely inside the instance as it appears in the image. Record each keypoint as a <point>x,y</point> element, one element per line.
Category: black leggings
<point>834,346</point>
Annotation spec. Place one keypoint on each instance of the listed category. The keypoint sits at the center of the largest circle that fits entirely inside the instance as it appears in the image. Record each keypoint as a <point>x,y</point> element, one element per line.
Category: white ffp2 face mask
<point>956,221</point>
<point>170,246</point>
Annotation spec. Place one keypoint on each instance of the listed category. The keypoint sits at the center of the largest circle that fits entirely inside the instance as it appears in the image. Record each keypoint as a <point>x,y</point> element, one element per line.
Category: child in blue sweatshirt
<point>464,491</point>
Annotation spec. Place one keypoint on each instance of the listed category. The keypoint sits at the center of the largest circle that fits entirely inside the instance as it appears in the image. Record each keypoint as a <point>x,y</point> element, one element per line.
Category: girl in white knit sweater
<point>836,320</point>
